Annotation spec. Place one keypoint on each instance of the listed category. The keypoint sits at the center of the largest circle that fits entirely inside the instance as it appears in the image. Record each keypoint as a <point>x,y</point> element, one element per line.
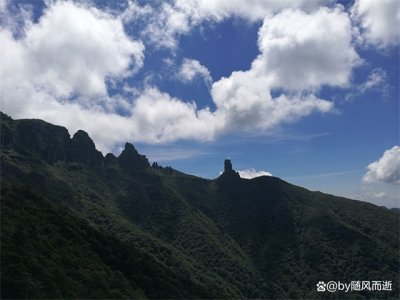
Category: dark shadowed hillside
<point>75,224</point>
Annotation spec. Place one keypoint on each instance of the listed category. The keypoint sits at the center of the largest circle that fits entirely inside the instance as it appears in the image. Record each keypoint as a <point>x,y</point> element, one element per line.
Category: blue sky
<point>307,90</point>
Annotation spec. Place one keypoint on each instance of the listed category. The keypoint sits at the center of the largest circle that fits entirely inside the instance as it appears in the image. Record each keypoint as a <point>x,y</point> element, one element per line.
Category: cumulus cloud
<point>305,51</point>
<point>135,12</point>
<point>300,53</point>
<point>71,50</point>
<point>251,10</point>
<point>158,117</point>
<point>244,102</point>
<point>191,68</point>
<point>252,173</point>
<point>58,70</point>
<point>385,169</point>
<point>170,20</point>
<point>379,21</point>
<point>155,117</point>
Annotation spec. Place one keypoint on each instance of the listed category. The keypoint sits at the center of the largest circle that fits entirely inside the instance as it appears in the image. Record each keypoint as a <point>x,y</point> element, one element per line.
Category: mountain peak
<point>131,160</point>
<point>229,172</point>
<point>81,134</point>
<point>228,165</point>
<point>130,148</point>
<point>82,137</point>
<point>82,149</point>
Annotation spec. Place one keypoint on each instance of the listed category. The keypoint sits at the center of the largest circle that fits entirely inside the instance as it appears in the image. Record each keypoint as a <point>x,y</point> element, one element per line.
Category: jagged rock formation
<point>82,149</point>
<point>229,172</point>
<point>52,143</point>
<point>110,159</point>
<point>228,166</point>
<point>131,160</point>
<point>48,142</point>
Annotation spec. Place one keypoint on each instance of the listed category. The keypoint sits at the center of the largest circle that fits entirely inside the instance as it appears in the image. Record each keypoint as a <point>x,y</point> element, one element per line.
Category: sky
<point>305,90</point>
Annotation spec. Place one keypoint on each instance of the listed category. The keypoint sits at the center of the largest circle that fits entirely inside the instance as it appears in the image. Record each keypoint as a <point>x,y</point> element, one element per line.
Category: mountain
<point>75,224</point>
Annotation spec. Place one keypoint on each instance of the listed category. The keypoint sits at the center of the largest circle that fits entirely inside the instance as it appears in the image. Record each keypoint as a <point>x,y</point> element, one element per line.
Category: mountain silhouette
<point>76,224</point>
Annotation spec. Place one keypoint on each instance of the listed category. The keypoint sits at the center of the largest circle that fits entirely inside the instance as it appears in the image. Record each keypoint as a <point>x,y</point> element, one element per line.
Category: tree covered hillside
<point>77,224</point>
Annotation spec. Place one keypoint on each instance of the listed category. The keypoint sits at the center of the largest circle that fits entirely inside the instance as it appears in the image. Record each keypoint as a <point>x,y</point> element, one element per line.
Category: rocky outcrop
<point>52,143</point>
<point>6,132</point>
<point>130,160</point>
<point>229,173</point>
<point>228,166</point>
<point>82,149</point>
<point>49,142</point>
<point>110,159</point>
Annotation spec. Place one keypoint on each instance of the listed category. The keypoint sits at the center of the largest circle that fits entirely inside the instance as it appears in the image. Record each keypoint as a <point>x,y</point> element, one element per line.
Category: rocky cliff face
<point>82,149</point>
<point>131,160</point>
<point>53,143</point>
<point>49,142</point>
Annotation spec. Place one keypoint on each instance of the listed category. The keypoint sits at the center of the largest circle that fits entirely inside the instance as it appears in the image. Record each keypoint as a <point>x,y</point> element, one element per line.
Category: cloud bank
<point>61,68</point>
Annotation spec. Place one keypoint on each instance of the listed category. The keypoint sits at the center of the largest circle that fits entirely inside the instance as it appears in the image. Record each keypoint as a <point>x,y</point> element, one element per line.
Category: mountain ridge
<point>53,143</point>
<point>230,237</point>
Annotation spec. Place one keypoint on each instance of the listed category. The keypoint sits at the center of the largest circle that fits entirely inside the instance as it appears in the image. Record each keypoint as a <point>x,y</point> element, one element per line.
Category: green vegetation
<point>77,225</point>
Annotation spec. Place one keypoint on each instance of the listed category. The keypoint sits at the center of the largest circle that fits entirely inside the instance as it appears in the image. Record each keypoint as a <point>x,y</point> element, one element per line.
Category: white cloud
<point>59,69</point>
<point>379,21</point>
<point>58,72</point>
<point>170,20</point>
<point>74,49</point>
<point>305,51</point>
<point>168,153</point>
<point>379,195</point>
<point>192,68</point>
<point>165,26</point>
<point>252,173</point>
<point>3,5</point>
<point>251,10</point>
<point>244,102</point>
<point>15,18</point>
<point>385,169</point>
<point>300,53</point>
<point>160,118</point>
<point>71,50</point>
<point>376,80</point>
<point>135,12</point>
